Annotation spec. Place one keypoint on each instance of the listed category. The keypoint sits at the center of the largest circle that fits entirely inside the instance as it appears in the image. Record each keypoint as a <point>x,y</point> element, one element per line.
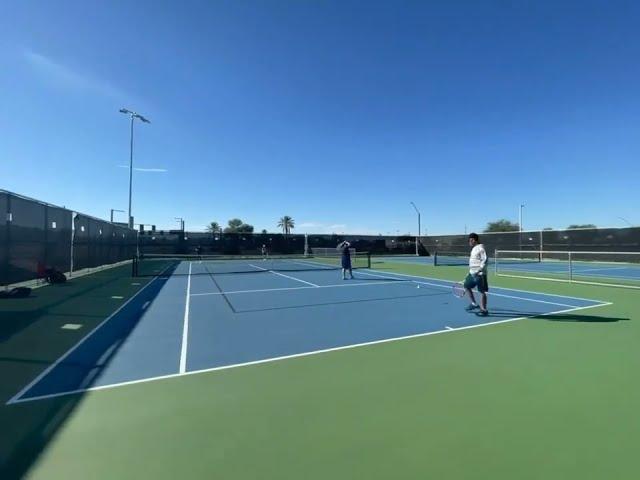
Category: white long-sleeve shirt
<point>478,260</point>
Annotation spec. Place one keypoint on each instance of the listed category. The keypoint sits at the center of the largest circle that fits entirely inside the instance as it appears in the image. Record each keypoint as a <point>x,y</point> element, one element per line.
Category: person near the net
<point>343,248</point>
<point>477,276</point>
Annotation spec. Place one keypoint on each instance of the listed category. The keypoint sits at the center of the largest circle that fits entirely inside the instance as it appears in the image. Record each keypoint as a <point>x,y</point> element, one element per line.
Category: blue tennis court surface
<point>583,269</point>
<point>190,323</point>
<point>556,268</point>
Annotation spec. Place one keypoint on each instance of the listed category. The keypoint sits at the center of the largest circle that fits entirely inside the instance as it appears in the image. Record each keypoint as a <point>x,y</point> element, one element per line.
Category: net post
<point>495,261</point>
<point>541,241</point>
<point>570,267</point>
<point>435,258</point>
<point>368,259</point>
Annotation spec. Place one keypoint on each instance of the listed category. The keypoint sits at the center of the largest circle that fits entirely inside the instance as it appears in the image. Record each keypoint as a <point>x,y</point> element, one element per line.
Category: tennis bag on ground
<point>18,292</point>
<point>55,276</point>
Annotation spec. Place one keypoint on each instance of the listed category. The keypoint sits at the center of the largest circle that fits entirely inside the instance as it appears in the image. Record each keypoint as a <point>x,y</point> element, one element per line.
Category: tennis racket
<point>459,290</point>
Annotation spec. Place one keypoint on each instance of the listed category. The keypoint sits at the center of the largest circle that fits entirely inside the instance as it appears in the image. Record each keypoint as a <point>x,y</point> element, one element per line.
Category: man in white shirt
<point>477,276</point>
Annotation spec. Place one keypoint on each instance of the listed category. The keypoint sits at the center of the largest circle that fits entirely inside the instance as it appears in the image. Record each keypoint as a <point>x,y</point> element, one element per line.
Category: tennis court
<point>192,320</point>
<point>246,368</point>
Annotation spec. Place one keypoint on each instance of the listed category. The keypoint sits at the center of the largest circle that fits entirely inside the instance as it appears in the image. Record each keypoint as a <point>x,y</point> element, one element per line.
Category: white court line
<point>298,355</point>
<point>451,282</point>
<point>283,275</point>
<point>396,280</point>
<point>325,268</point>
<point>185,326</point>
<point>448,327</point>
<point>393,282</point>
<point>489,293</point>
<point>46,371</point>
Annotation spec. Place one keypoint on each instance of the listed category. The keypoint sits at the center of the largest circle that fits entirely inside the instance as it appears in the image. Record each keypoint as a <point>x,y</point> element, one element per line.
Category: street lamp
<point>520,226</point>
<point>133,116</point>
<point>418,237</point>
<point>114,210</point>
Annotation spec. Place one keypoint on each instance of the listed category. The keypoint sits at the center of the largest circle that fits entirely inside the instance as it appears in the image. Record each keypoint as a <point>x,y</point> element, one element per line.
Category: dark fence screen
<point>276,243</point>
<point>580,240</point>
<point>35,236</point>
<point>4,238</point>
<point>600,240</point>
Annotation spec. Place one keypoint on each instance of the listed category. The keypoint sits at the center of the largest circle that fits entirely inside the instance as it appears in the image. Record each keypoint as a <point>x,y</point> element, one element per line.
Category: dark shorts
<point>481,282</point>
<point>346,262</point>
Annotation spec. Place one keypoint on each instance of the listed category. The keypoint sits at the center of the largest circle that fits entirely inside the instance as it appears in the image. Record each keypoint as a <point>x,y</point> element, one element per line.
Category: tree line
<point>286,224</point>
<point>504,225</point>
<point>236,225</point>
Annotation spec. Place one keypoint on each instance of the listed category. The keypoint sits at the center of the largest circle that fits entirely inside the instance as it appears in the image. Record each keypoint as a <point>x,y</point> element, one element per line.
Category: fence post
<point>73,238</point>
<point>46,237</point>
<point>7,219</point>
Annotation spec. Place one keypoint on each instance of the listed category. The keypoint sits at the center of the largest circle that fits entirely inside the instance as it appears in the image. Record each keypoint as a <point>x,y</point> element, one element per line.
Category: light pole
<point>181,220</point>
<point>114,210</point>
<point>133,116</point>
<point>520,227</point>
<point>418,237</point>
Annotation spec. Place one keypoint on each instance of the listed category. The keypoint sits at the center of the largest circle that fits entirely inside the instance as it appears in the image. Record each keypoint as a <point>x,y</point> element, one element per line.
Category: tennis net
<point>158,265</point>
<point>441,258</point>
<point>516,257</point>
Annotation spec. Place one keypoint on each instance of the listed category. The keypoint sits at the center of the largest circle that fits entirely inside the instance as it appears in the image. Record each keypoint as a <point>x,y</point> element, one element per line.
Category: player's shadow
<point>554,317</point>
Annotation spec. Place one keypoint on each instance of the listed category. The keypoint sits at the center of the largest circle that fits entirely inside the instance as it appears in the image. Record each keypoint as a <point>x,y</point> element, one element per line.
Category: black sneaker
<point>471,307</point>
<point>483,313</point>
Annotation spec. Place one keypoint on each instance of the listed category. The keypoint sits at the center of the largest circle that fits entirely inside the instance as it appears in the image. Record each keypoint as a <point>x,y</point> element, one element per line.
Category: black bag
<point>18,292</point>
<point>55,276</point>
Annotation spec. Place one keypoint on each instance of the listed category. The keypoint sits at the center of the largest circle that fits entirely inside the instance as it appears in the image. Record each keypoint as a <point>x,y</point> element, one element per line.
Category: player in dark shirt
<point>344,249</point>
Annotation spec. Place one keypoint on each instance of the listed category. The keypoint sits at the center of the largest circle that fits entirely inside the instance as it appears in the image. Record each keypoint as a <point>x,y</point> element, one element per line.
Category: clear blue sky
<point>338,113</point>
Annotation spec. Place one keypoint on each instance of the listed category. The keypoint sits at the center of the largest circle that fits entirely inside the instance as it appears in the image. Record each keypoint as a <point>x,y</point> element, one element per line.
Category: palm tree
<point>213,227</point>
<point>287,224</point>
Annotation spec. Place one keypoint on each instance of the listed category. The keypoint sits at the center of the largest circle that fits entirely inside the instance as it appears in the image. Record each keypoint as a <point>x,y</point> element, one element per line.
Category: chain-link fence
<point>36,236</point>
